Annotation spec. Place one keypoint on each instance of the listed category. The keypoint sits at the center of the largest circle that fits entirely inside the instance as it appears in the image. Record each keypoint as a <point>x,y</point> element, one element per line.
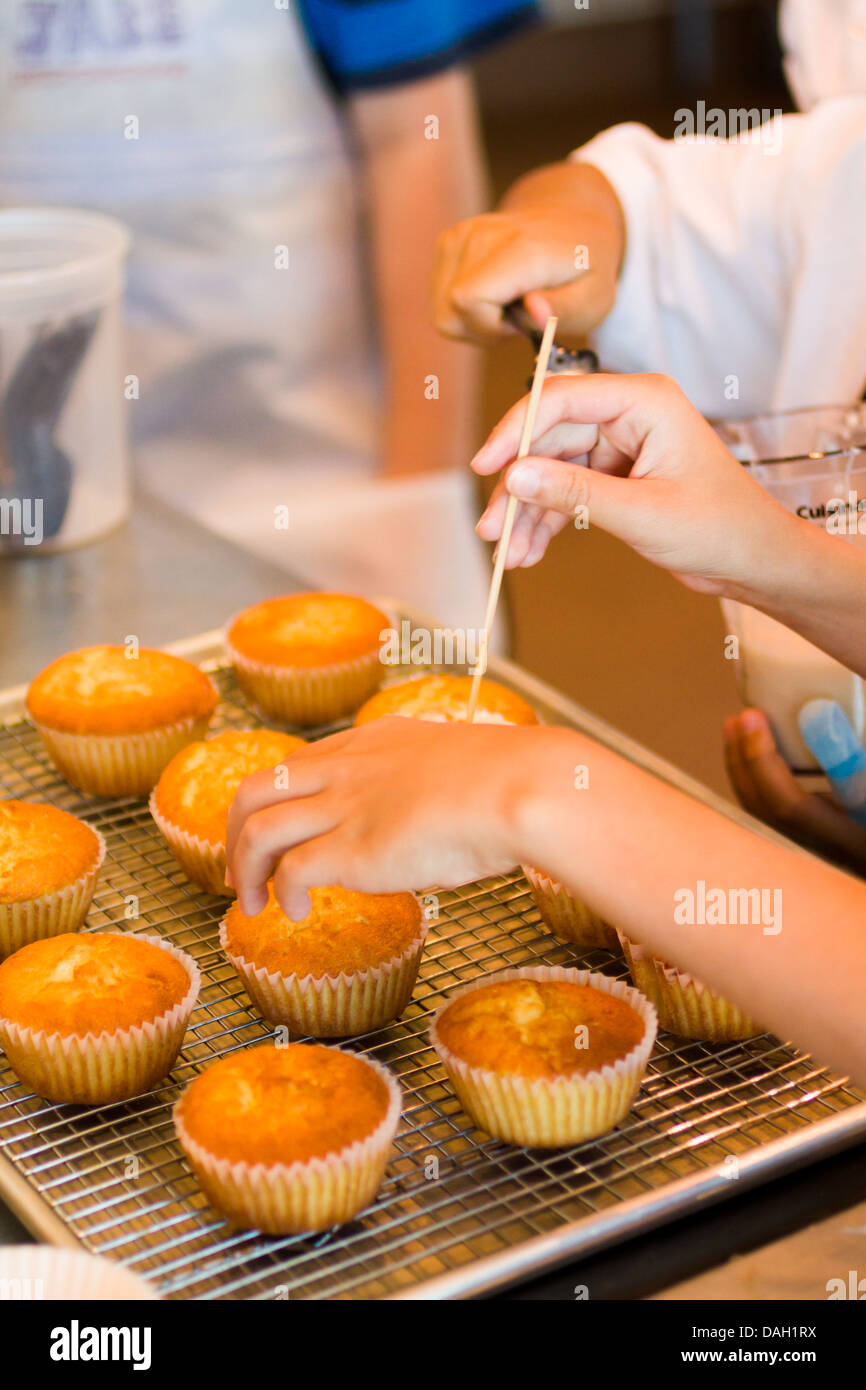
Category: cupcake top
<point>345,932</point>
<point>42,849</point>
<point>103,690</point>
<point>283,1104</point>
<point>88,983</point>
<point>528,1027</point>
<point>446,699</point>
<point>197,788</point>
<point>308,630</point>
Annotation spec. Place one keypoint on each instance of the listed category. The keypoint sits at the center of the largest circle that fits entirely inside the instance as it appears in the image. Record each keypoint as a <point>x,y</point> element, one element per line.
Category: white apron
<point>207,128</point>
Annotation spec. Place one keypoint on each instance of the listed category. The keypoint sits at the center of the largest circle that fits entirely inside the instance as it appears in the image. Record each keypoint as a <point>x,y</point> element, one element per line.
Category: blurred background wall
<point>616,634</point>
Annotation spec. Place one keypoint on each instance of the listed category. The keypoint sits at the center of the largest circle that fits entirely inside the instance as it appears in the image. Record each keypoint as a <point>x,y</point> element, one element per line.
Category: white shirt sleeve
<point>744,275</point>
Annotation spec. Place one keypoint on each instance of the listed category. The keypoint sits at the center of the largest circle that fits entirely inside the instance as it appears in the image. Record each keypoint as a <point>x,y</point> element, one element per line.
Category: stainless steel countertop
<point>161,577</point>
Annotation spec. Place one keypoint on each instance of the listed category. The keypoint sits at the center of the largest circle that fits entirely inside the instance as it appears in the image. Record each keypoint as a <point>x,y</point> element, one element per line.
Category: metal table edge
<point>640,1214</point>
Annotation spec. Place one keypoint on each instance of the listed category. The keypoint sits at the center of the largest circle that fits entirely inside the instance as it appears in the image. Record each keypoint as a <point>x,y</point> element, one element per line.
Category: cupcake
<point>543,1056</point>
<point>94,1018</point>
<point>49,863</point>
<point>445,699</point>
<point>289,1139</point>
<point>684,1005</point>
<point>308,658</point>
<point>348,967</point>
<point>191,801</point>
<point>568,918</point>
<point>111,721</point>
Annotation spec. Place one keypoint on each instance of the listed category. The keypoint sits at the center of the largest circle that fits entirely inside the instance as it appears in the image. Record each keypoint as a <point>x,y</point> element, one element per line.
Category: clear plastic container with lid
<point>64,452</point>
<point>814,463</point>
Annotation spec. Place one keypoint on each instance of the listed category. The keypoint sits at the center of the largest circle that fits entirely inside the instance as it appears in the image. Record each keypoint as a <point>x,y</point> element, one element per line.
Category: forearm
<point>815,584</point>
<point>630,844</point>
<point>568,185</point>
<point>415,186</point>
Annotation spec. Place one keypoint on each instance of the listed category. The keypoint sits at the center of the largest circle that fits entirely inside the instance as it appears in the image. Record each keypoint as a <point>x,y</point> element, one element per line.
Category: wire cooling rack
<point>458,1213</point>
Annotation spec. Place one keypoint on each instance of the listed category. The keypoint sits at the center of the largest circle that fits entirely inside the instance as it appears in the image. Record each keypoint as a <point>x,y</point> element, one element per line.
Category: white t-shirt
<point>744,276</point>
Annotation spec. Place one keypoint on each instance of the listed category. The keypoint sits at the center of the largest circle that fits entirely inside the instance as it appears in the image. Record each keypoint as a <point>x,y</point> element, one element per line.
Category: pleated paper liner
<point>684,1005</point>
<point>307,695</point>
<point>309,1195</point>
<point>203,862</point>
<point>51,913</point>
<point>101,1068</point>
<point>534,1112</point>
<point>119,764</point>
<point>331,1006</point>
<point>567,917</point>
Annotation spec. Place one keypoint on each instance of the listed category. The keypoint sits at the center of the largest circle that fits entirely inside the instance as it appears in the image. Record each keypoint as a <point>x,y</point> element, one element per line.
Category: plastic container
<point>64,454</point>
<point>814,463</point>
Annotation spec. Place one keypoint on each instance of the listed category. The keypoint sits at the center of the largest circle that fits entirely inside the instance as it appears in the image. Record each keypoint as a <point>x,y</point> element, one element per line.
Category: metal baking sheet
<point>459,1213</point>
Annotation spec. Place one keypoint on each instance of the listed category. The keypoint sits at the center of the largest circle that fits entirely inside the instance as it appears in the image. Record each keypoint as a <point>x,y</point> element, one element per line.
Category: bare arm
<point>630,843</point>
<point>415,186</point>
<point>390,806</point>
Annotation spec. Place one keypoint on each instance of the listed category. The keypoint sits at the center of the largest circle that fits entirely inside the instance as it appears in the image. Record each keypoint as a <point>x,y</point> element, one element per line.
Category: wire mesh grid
<point>116,1179</point>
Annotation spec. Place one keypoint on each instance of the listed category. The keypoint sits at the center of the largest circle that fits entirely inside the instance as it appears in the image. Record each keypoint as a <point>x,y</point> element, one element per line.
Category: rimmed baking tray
<point>459,1213</point>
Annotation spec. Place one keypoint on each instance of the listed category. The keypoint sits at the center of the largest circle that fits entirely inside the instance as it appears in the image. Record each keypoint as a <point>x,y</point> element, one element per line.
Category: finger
<point>266,836</point>
<point>738,771</point>
<point>521,536</point>
<point>541,538</point>
<point>820,822</point>
<point>628,407</point>
<point>490,523</point>
<point>447,259</point>
<point>302,774</point>
<point>549,526</point>
<point>315,864</point>
<point>499,265</point>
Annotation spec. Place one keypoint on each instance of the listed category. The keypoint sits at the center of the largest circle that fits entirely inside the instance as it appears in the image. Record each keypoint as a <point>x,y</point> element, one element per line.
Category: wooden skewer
<point>511,513</point>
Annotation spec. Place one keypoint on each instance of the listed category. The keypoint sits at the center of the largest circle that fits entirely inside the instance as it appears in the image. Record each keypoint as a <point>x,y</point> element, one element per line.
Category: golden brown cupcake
<point>348,967</point>
<point>567,917</point>
<point>111,721</point>
<point>684,1005</point>
<point>289,1139</point>
<point>308,658</point>
<point>191,801</point>
<point>49,864</point>
<point>445,699</point>
<point>543,1056</point>
<point>94,1018</point>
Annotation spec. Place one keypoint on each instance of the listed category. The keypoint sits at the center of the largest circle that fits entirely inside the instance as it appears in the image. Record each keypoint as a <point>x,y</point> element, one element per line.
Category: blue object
<point>828,735</point>
<point>371,43</point>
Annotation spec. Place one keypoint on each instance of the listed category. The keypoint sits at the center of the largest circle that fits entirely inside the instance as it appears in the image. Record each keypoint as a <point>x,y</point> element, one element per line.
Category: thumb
<point>615,504</point>
<point>578,306</point>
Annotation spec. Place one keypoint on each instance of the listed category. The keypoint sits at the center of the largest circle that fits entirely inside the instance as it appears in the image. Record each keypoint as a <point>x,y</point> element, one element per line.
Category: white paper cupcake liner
<point>303,695</point>
<point>684,1005</point>
<point>203,863</point>
<point>310,1195</point>
<point>568,918</point>
<point>331,1006</point>
<point>101,1068</point>
<point>51,913</point>
<point>31,1273</point>
<point>539,1113</point>
<point>119,764</point>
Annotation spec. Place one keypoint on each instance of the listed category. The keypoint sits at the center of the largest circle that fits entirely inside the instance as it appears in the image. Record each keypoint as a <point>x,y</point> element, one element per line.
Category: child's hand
<point>768,789</point>
<point>557,240</point>
<point>394,805</point>
<point>632,455</point>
